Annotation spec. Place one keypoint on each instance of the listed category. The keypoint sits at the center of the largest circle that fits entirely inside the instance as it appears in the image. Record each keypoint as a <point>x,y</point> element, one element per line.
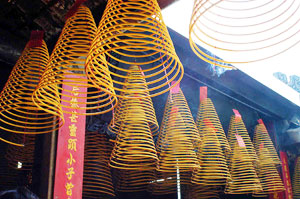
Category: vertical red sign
<point>286,176</point>
<point>203,93</point>
<point>70,146</point>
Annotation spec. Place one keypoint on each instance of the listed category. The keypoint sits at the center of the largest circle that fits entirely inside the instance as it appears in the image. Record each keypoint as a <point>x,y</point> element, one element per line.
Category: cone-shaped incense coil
<point>134,181</point>
<point>66,68</point>
<point>133,33</point>
<point>267,172</point>
<point>136,87</point>
<point>214,170</point>
<point>260,195</point>
<point>185,122</point>
<point>134,148</point>
<point>296,179</point>
<point>166,183</point>
<point>176,150</point>
<point>244,179</point>
<point>207,111</point>
<point>243,31</point>
<point>202,192</point>
<point>237,126</point>
<point>261,136</point>
<point>97,179</point>
<point>18,113</point>
<point>21,158</point>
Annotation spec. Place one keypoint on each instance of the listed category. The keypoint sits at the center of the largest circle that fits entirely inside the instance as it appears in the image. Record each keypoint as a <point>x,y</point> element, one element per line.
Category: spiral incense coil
<point>18,113</point>
<point>134,180</point>
<point>176,150</point>
<point>134,147</point>
<point>207,111</point>
<point>21,158</point>
<point>166,182</point>
<point>296,179</point>
<point>133,33</point>
<point>66,68</point>
<point>185,123</point>
<point>243,179</point>
<point>97,180</point>
<point>250,30</point>
<point>214,169</point>
<point>260,195</point>
<point>261,136</point>
<point>267,172</point>
<point>237,126</point>
<point>202,192</point>
<point>137,85</point>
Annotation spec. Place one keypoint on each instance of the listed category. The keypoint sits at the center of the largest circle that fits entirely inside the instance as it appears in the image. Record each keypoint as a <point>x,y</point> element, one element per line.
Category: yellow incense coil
<point>261,136</point>
<point>134,147</point>
<point>18,113</point>
<point>166,182</point>
<point>134,180</point>
<point>237,126</point>
<point>133,33</point>
<point>207,111</point>
<point>97,178</point>
<point>186,124</point>
<point>66,68</point>
<point>21,158</point>
<point>202,192</point>
<point>214,169</point>
<point>260,195</point>
<point>268,173</point>
<point>175,148</point>
<point>243,179</point>
<point>243,31</point>
<point>296,179</point>
<point>136,85</point>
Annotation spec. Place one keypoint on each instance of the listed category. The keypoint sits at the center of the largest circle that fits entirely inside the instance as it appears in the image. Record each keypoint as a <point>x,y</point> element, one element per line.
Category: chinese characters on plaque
<point>70,146</point>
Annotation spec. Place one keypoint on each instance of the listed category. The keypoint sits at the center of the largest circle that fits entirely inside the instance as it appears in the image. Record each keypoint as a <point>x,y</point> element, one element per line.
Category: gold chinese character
<point>74,116</point>
<point>71,160</point>
<point>74,103</point>
<point>70,173</point>
<point>75,88</point>
<point>69,187</point>
<point>72,144</point>
<point>73,129</point>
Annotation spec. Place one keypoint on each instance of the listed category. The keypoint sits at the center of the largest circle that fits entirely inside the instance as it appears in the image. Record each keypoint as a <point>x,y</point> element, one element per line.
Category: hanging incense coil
<point>251,31</point>
<point>202,192</point>
<point>134,180</point>
<point>260,195</point>
<point>66,68</point>
<point>214,170</point>
<point>186,121</point>
<point>296,179</point>
<point>207,111</point>
<point>175,148</point>
<point>268,173</point>
<point>133,33</point>
<point>261,137</point>
<point>243,179</point>
<point>166,182</point>
<point>134,147</point>
<point>237,126</point>
<point>18,113</point>
<point>21,158</point>
<point>97,180</point>
<point>137,85</point>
